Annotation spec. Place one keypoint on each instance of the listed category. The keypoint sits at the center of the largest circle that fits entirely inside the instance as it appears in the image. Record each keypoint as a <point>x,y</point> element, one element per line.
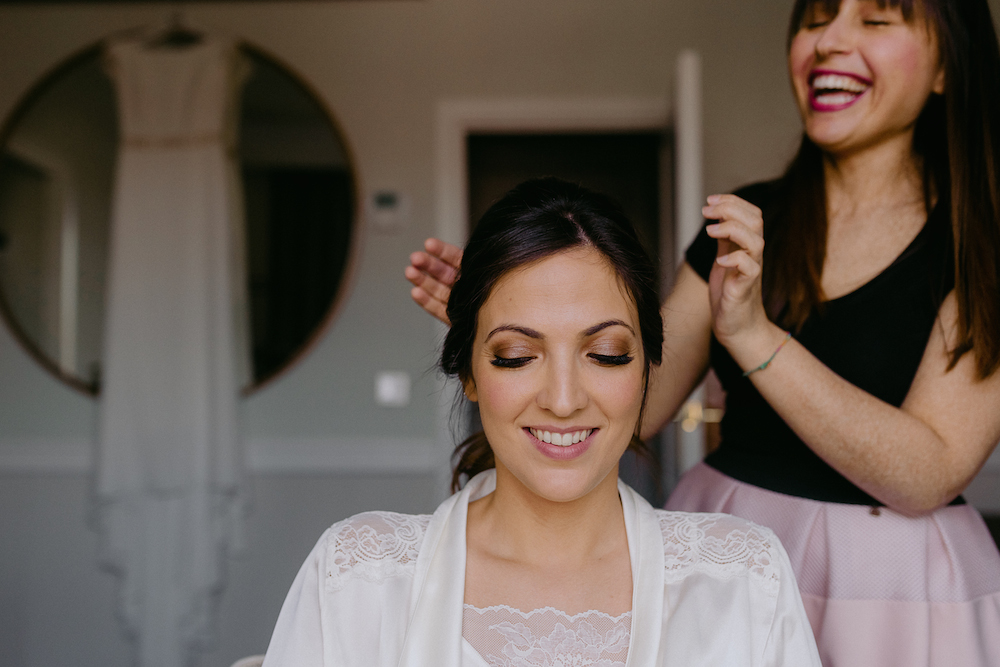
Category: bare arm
<point>914,458</point>
<point>687,328</point>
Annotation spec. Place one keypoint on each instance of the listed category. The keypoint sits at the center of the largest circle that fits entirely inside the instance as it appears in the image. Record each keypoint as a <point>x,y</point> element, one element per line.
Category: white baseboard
<point>263,455</point>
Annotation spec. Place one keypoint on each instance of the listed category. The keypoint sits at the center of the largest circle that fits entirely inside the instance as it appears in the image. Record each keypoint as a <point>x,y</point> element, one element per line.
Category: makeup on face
<point>862,73</point>
<point>831,90</point>
<point>558,373</point>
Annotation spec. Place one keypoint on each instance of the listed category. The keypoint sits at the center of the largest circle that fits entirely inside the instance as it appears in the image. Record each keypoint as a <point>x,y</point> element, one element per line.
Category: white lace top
<point>507,637</point>
<point>387,590</point>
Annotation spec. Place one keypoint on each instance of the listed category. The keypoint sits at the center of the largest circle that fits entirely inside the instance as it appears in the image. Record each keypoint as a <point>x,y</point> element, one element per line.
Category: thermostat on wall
<point>388,210</point>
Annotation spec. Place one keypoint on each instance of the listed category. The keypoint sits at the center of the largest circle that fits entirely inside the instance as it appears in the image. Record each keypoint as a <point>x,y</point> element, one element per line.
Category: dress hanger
<point>176,35</point>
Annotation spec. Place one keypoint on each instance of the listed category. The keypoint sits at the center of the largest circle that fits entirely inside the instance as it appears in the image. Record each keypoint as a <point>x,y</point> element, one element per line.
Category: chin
<point>563,486</point>
<point>829,137</point>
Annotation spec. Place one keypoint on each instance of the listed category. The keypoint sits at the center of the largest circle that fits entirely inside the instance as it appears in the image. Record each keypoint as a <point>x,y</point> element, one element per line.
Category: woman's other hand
<point>735,281</point>
<point>433,273</point>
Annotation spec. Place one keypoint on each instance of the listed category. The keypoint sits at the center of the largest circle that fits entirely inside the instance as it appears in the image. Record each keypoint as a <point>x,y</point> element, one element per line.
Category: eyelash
<point>611,360</point>
<point>603,359</point>
<point>869,22</point>
<point>515,362</point>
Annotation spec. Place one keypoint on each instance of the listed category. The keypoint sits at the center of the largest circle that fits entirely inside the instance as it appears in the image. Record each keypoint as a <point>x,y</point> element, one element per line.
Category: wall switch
<point>392,389</point>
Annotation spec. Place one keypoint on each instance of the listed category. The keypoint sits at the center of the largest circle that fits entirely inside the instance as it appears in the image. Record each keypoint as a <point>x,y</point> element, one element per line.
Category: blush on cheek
<point>498,396</point>
<point>626,395</point>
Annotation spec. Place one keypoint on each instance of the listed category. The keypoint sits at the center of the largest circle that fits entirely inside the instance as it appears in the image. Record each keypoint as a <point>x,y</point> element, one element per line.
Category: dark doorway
<point>626,166</point>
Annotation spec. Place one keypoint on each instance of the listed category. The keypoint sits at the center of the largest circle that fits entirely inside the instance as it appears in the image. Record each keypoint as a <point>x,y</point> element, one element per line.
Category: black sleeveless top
<point>873,337</point>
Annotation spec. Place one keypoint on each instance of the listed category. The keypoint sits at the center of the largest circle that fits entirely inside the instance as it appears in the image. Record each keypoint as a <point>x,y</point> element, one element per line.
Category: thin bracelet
<point>788,334</point>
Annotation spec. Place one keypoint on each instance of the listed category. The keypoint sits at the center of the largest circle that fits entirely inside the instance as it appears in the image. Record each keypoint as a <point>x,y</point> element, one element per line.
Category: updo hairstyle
<point>535,220</point>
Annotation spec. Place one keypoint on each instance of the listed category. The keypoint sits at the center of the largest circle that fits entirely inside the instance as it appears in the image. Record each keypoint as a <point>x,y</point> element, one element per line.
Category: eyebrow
<point>604,325</point>
<point>531,333</point>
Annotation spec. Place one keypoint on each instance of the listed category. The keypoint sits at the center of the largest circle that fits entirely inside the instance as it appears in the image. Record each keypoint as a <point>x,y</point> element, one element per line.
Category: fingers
<point>433,273</point>
<point>446,252</point>
<point>434,288</point>
<point>742,262</point>
<point>740,229</point>
<point>739,235</point>
<point>430,304</point>
<point>436,268</point>
<point>731,207</point>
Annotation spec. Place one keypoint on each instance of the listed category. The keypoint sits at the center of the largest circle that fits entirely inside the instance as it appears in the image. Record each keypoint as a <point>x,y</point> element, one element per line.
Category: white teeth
<point>561,439</point>
<point>838,82</point>
<point>835,99</point>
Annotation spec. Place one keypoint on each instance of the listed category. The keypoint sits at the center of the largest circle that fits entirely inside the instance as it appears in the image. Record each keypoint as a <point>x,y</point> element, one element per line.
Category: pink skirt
<point>881,589</point>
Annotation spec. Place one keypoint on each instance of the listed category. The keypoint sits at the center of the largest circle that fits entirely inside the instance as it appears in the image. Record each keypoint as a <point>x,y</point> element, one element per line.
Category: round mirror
<point>57,161</point>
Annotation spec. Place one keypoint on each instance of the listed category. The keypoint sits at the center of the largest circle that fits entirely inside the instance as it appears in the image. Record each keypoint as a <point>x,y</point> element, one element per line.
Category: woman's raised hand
<point>735,282</point>
<point>433,273</point>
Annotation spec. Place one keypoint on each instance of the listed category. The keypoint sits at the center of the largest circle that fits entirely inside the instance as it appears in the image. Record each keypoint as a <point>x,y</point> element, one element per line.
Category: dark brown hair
<point>537,219</point>
<point>957,136</point>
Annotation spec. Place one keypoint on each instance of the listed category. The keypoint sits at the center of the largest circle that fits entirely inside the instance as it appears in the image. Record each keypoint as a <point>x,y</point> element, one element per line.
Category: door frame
<point>456,119</point>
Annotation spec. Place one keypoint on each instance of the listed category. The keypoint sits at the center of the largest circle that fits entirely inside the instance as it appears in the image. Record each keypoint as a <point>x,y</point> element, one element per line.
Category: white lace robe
<point>386,590</point>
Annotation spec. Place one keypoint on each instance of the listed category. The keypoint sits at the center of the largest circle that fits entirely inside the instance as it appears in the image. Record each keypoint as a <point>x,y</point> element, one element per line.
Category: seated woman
<point>544,558</point>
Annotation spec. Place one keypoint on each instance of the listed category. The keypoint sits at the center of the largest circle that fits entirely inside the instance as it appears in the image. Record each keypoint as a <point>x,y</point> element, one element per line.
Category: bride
<point>544,558</point>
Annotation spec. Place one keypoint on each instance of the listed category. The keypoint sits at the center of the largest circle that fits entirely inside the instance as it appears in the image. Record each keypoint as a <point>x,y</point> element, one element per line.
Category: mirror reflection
<point>57,165</point>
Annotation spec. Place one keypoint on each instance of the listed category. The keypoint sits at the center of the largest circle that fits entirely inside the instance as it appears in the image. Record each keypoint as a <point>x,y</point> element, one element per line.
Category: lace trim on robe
<point>377,545</point>
<point>373,546</point>
<point>508,637</point>
<point>718,545</point>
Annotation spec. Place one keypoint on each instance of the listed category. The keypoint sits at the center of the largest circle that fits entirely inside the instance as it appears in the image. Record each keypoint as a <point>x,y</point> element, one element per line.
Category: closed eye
<point>513,362</point>
<point>611,360</point>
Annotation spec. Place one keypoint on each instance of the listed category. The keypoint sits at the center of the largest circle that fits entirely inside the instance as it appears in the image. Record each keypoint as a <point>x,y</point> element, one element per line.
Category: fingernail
<point>713,199</point>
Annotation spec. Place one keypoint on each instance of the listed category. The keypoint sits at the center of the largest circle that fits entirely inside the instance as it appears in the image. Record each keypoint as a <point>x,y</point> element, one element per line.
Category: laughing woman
<point>544,559</point>
<point>860,346</point>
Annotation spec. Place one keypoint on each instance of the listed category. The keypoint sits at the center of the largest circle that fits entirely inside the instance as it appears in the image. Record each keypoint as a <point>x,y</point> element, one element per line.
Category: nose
<point>563,392</point>
<point>837,36</point>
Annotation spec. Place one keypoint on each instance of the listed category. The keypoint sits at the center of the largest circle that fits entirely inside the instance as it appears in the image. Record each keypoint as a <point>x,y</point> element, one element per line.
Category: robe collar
<point>434,635</point>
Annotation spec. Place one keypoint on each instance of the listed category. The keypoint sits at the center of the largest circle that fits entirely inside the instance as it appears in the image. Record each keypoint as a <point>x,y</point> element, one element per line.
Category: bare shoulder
<point>720,545</point>
<point>373,546</point>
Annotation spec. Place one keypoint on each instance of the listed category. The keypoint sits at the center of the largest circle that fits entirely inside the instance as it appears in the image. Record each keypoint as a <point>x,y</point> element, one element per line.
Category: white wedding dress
<point>387,590</point>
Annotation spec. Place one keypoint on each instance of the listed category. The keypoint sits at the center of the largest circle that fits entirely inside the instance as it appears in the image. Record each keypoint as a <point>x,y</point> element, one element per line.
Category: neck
<point>528,528</point>
<point>885,175</point>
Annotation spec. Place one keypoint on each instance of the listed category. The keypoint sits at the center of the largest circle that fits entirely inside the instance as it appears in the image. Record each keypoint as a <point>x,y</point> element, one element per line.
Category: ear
<point>939,81</point>
<point>469,385</point>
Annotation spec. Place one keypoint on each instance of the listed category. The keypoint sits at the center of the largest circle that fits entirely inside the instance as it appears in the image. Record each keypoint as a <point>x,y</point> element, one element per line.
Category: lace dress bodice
<point>547,637</point>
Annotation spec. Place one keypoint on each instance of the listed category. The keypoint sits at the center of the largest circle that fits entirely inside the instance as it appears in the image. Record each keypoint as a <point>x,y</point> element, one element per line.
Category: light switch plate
<point>392,389</point>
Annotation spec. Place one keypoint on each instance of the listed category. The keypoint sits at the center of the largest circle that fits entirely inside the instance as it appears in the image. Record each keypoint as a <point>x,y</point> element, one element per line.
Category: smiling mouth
<point>561,439</point>
<point>832,91</point>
